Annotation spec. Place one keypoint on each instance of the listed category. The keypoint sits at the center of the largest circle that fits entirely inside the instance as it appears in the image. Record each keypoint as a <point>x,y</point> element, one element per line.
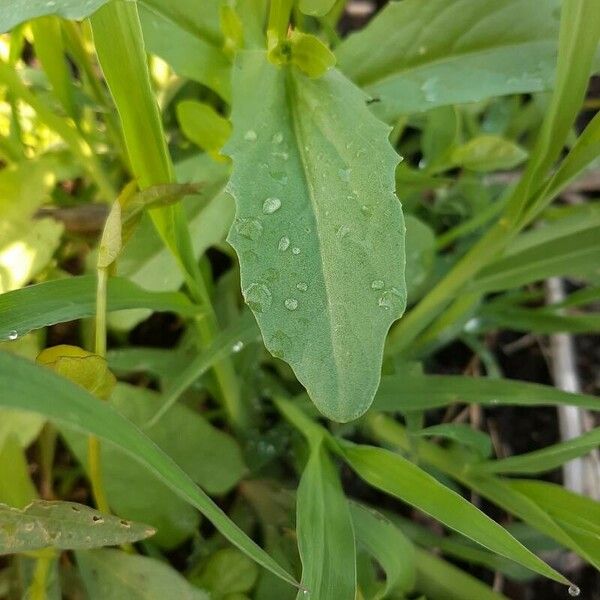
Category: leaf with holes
<point>64,525</point>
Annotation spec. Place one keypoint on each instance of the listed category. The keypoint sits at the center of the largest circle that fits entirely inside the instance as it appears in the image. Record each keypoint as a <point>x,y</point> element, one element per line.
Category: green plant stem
<point>37,589</point>
<point>63,127</point>
<point>119,44</point>
<point>279,18</point>
<point>94,458</point>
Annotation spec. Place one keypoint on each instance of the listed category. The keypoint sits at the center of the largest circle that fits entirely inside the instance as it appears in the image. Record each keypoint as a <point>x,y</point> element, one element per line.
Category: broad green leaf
<point>202,124</point>
<point>178,33</point>
<point>420,392</point>
<point>13,12</point>
<point>74,407</point>
<point>546,459</point>
<point>461,433</point>
<point>44,304</point>
<point>210,457</point>
<point>488,153</point>
<point>575,254</point>
<point>316,8</point>
<point>226,572</point>
<point>399,477</point>
<point>440,135</point>
<point>84,368</point>
<point>318,229</point>
<point>440,579</point>
<point>115,575</point>
<point>388,546</point>
<point>443,52</point>
<point>26,247</point>
<point>64,525</point>
<point>16,487</point>
<point>324,530</point>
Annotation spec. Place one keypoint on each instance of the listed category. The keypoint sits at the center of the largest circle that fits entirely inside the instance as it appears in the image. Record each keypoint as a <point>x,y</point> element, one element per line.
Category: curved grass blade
<point>421,392</point>
<point>27,387</point>
<point>399,477</point>
<point>63,300</point>
<point>319,231</point>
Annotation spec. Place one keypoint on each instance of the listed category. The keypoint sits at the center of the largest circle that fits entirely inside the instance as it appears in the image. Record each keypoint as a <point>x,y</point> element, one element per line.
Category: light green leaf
<point>44,304</point>
<point>13,12</point>
<point>310,54</point>
<point>399,477</point>
<point>26,247</point>
<point>184,436</point>
<point>16,487</point>
<point>443,52</point>
<point>202,124</point>
<point>324,529</point>
<point>488,153</point>
<point>331,277</point>
<point>388,546</point>
<point>64,525</point>
<point>115,575</point>
<point>461,433</point>
<point>316,8</point>
<point>574,254</point>
<point>74,407</point>
<point>546,459</point>
<point>24,425</point>
<point>226,572</point>
<point>184,37</point>
<point>420,392</point>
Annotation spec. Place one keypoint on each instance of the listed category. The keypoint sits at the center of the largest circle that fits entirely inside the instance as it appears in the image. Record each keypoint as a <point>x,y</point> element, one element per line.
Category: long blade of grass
<point>70,405</point>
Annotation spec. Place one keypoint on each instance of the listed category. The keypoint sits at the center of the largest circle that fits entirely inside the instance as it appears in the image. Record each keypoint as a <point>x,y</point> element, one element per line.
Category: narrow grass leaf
<point>74,407</point>
<point>399,477</point>
<point>61,300</point>
<point>325,533</point>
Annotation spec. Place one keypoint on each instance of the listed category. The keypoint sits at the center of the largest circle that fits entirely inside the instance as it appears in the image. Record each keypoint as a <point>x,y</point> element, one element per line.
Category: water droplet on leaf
<point>302,286</point>
<point>377,284</point>
<point>345,174</point>
<point>13,335</point>
<point>277,138</point>
<point>296,250</point>
<point>250,135</point>
<point>270,205</point>
<point>343,231</point>
<point>284,243</point>
<point>237,347</point>
<point>258,297</point>
<point>291,304</point>
<point>574,591</point>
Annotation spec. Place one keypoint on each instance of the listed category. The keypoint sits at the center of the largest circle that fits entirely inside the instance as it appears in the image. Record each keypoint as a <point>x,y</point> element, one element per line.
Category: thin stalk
<point>94,459</point>
<point>63,127</point>
<point>37,589</point>
<point>279,18</point>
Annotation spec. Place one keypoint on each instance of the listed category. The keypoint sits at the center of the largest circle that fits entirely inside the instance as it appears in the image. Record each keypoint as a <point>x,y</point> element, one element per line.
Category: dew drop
<point>13,335</point>
<point>237,347</point>
<point>429,89</point>
<point>271,205</point>
<point>250,135</point>
<point>277,138</point>
<point>258,297</point>
<point>302,286</point>
<point>377,284</point>
<point>345,174</point>
<point>291,304</point>
<point>296,250</point>
<point>342,231</point>
<point>249,228</point>
<point>284,243</point>
<point>574,591</point>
